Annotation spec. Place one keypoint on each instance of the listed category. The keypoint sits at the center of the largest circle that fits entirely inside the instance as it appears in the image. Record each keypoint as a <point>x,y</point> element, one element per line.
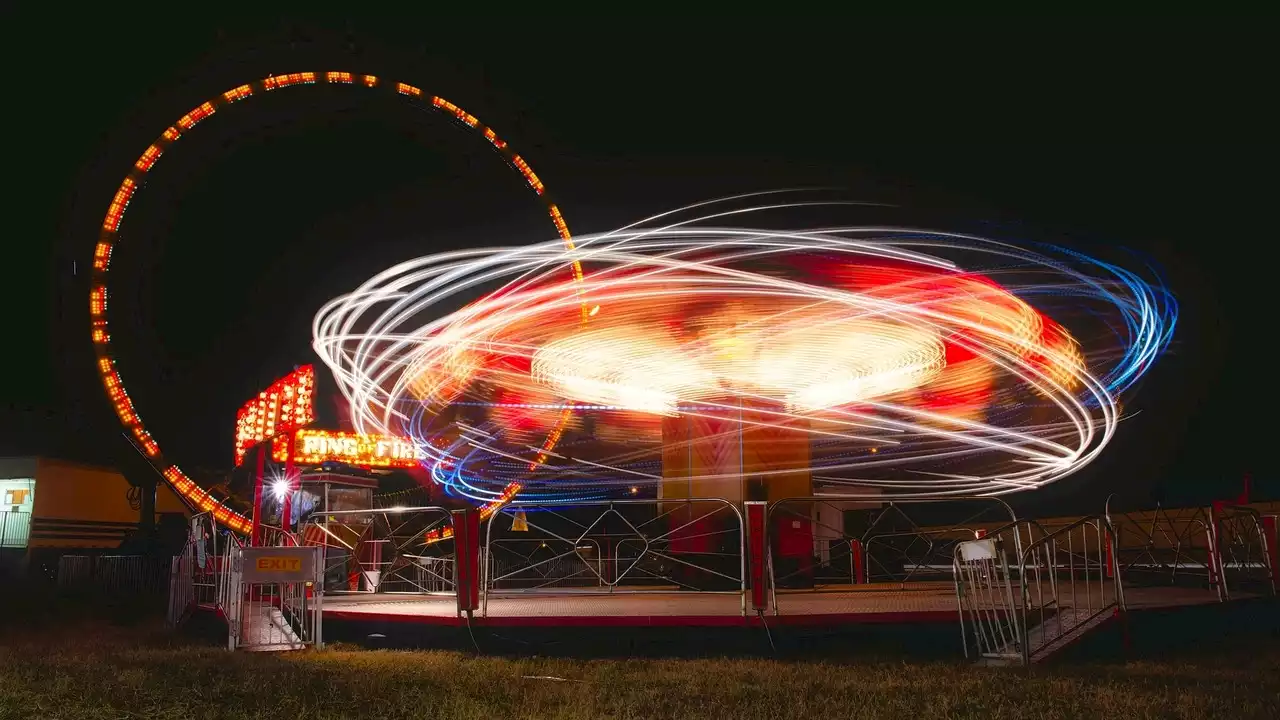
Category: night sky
<point>274,206</point>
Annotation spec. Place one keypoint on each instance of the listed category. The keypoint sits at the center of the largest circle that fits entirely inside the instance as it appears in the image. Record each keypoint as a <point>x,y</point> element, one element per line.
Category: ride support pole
<point>466,563</point>
<point>757,515</point>
<point>255,532</point>
<point>286,511</point>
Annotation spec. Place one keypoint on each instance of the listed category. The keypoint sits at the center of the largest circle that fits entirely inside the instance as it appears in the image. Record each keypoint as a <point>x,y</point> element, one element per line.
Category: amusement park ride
<point>685,423</point>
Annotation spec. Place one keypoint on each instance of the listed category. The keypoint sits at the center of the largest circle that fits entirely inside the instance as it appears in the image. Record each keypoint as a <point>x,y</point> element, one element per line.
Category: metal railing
<point>388,550</point>
<point>1165,547</point>
<point>272,536</point>
<point>277,616</point>
<point>987,597</point>
<point>1023,588</point>
<point>1244,560</point>
<point>259,615</point>
<point>268,616</point>
<point>1058,586</point>
<point>182,596</point>
<point>205,564</point>
<point>928,552</point>
<point>15,529</point>
<point>193,573</point>
<point>224,597</point>
<point>894,548</point>
<point>539,564</point>
<point>615,546</point>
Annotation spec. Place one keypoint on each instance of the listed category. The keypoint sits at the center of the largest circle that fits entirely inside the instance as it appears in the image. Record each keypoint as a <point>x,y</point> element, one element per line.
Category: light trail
<point>915,358</point>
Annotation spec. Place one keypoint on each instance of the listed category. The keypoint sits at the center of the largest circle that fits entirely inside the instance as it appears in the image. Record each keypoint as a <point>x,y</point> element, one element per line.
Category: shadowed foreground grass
<point>103,671</point>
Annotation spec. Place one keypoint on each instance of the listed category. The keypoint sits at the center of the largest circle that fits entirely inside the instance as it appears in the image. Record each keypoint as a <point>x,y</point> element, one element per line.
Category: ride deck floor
<point>873,603</point>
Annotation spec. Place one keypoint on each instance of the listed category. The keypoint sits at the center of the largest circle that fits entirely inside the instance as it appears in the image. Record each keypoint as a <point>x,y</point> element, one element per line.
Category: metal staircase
<point>264,628</point>
<point>1023,602</point>
<point>269,596</point>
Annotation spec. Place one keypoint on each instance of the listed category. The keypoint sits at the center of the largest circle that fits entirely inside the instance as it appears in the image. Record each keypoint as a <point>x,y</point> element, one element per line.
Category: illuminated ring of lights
<point>109,233</point>
<point>391,365</point>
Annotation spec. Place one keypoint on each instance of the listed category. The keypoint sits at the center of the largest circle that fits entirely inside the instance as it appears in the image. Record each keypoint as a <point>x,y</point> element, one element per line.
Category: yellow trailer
<point>50,503</point>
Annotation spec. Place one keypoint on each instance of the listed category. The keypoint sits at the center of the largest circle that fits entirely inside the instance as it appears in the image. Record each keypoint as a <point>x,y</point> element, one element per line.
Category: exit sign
<point>280,564</point>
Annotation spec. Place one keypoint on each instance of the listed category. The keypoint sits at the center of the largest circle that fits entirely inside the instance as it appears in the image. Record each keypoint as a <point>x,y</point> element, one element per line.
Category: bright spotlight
<point>280,488</point>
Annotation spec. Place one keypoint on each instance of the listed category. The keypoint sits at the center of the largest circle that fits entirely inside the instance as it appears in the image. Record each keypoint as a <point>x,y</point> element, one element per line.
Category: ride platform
<point>880,603</point>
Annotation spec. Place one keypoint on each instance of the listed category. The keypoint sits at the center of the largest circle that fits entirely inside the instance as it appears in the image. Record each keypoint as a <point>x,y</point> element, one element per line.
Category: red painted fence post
<point>466,559</point>
<point>757,547</point>
<point>255,531</point>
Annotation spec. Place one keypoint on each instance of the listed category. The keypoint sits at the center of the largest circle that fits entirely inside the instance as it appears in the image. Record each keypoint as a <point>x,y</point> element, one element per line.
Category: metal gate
<point>989,626</point>
<point>274,599</point>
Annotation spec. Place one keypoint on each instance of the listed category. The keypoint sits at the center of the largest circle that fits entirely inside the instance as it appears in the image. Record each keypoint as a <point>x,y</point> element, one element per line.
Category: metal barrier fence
<point>615,546</point>
<point>114,575</point>
<point>987,598</point>
<point>182,596</point>
<point>389,550</point>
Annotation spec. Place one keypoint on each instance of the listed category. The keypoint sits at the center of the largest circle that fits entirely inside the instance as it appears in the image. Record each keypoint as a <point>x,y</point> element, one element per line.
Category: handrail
<point>1165,530</point>
<point>1106,534</point>
<point>888,501</point>
<point>273,532</point>
<point>1227,515</point>
<point>1271,546</point>
<point>597,571</point>
<point>379,511</point>
<point>1017,536</point>
<point>338,515</point>
<point>926,534</point>
<point>225,603</point>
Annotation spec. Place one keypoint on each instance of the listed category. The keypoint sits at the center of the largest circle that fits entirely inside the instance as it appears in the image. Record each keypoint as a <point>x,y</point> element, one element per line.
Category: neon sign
<point>312,447</point>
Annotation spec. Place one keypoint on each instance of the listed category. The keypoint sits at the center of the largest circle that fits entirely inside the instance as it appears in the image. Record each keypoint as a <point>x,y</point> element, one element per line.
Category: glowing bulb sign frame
<point>286,406</point>
<point>109,238</point>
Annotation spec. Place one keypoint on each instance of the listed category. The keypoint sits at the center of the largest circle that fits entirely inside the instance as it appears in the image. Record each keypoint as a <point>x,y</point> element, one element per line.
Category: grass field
<point>101,668</point>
